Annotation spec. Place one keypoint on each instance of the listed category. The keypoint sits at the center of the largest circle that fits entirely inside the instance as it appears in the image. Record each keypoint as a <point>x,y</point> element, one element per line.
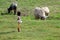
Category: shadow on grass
<point>49,18</point>
<point>6,13</point>
<point>7,32</point>
<point>53,18</point>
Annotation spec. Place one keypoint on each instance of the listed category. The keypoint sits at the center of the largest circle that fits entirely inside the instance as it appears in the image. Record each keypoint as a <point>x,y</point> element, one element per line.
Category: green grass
<point>31,29</point>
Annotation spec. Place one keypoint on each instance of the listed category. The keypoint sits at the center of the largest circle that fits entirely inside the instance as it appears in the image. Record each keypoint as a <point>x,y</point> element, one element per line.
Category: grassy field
<point>31,29</point>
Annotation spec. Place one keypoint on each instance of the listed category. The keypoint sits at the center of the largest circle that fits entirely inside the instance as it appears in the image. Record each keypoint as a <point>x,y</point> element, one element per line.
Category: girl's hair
<point>18,13</point>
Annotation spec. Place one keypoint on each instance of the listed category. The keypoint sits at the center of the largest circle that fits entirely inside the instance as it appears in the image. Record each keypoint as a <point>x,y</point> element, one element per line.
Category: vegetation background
<point>31,29</point>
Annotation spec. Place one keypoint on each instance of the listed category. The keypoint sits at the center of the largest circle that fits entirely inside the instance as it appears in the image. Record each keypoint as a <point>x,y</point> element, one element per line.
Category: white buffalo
<point>41,13</point>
